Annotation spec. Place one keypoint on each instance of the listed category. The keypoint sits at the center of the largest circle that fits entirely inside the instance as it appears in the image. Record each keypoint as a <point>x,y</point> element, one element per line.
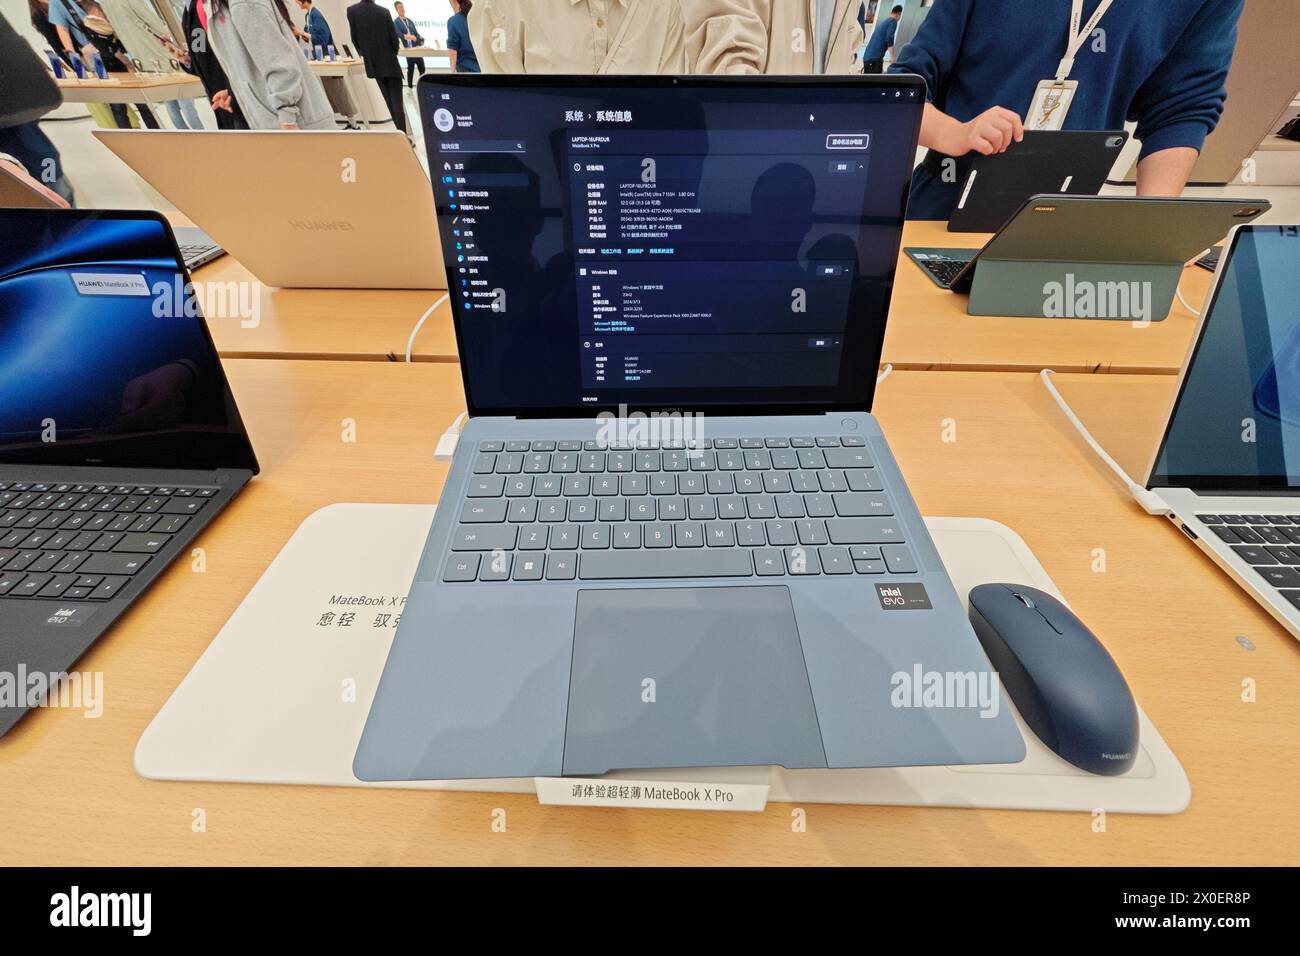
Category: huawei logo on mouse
<point>1127,756</point>
<point>321,225</point>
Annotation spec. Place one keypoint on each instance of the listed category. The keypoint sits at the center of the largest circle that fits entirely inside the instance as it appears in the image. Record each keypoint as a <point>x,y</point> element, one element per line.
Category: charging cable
<point>884,373</point>
<point>450,439</point>
<point>1149,500</point>
<point>410,343</point>
<point>1178,289</point>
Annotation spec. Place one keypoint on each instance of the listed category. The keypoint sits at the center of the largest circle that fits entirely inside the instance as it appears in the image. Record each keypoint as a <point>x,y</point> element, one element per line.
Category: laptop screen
<point>1236,421</point>
<point>662,242</point>
<point>104,359</point>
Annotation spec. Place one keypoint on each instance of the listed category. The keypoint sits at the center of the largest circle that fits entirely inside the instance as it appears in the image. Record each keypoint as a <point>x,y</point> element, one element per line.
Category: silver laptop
<point>313,209</point>
<point>733,573</point>
<point>1228,464</point>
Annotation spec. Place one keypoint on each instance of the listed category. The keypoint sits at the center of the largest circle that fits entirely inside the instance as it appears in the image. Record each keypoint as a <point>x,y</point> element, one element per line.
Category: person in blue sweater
<point>882,38</point>
<point>1160,64</point>
<point>318,32</point>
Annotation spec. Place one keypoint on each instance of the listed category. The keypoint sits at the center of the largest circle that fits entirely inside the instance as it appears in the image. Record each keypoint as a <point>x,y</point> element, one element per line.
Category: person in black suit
<point>376,40</point>
<point>408,31</point>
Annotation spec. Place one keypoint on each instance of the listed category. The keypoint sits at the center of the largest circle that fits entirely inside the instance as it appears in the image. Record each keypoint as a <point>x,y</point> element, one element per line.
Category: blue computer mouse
<point>1063,682</point>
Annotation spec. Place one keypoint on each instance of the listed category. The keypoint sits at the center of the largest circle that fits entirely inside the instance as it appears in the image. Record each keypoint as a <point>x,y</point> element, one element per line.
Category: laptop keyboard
<point>83,542</point>
<point>1268,543</point>
<point>723,508</point>
<point>945,270</point>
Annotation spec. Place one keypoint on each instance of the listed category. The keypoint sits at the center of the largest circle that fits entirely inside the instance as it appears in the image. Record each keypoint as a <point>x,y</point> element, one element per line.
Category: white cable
<point>884,373</point>
<point>450,439</point>
<point>1149,500</point>
<point>410,343</point>
<point>1179,293</point>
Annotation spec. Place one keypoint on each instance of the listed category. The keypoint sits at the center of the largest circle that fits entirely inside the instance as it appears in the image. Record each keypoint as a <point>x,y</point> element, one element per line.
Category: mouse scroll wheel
<point>1022,599</point>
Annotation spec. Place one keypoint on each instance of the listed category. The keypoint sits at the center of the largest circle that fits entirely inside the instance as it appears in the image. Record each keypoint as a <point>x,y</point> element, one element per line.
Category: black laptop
<point>1065,162</point>
<point>119,436</point>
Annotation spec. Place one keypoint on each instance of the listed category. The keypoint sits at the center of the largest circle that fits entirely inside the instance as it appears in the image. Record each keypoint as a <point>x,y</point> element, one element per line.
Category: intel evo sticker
<point>903,597</point>
<point>70,616</point>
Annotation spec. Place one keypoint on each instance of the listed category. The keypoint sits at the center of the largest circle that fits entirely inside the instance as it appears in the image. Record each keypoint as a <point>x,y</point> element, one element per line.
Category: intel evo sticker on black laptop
<point>903,597</point>
<point>70,616</point>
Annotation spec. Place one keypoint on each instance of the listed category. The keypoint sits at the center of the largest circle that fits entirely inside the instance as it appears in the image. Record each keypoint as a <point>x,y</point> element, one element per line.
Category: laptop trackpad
<point>688,677</point>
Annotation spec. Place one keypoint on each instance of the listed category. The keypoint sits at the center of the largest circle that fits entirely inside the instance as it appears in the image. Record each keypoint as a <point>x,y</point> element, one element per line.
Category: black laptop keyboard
<point>83,542</point>
<point>945,270</point>
<point>728,508</point>
<point>1268,543</point>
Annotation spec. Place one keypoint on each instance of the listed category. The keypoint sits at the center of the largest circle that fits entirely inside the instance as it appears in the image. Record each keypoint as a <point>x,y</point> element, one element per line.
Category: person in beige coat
<point>578,36</point>
<point>800,37</point>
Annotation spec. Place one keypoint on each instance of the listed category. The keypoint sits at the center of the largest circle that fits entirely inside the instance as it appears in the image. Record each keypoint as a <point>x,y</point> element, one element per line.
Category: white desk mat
<point>282,693</point>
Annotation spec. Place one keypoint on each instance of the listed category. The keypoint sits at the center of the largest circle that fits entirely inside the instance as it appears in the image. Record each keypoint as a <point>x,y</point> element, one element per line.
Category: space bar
<point>713,563</point>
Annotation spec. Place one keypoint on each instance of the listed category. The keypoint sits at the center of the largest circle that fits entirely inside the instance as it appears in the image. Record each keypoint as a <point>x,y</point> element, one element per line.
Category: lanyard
<point>1077,36</point>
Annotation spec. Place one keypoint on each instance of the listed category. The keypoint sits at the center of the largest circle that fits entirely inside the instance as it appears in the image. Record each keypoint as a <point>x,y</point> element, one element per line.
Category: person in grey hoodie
<point>269,76</point>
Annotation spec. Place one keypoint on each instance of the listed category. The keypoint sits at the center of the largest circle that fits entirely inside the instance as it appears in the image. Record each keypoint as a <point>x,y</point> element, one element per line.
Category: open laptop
<point>742,580</point>
<point>196,246</point>
<point>1065,162</point>
<point>1228,463</point>
<point>119,437</point>
<point>1077,241</point>
<point>314,209</point>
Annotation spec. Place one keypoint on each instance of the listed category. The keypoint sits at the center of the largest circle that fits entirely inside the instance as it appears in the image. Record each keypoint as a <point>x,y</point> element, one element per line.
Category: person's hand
<point>222,100</point>
<point>288,126</point>
<point>18,170</point>
<point>991,132</point>
<point>411,37</point>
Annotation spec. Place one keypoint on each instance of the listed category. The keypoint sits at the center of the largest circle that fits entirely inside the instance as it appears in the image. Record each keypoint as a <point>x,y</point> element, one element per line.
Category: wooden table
<point>1170,619</point>
<point>352,324</point>
<point>928,327</point>
<point>132,88</point>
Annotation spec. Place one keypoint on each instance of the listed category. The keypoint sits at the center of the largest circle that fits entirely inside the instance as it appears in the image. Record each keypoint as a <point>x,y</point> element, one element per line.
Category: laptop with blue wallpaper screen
<point>673,535</point>
<point>119,436</point>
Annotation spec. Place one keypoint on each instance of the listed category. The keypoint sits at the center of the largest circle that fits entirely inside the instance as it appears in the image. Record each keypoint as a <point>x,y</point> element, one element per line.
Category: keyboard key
<point>898,558</point>
<point>769,561</point>
<point>480,511</point>
<point>461,567</point>
<point>493,446</point>
<point>835,560</point>
<point>864,531</point>
<point>57,586</point>
<point>1253,556</point>
<point>495,566</point>
<point>802,561</point>
<point>107,588</point>
<point>1280,577</point>
<point>31,585</point>
<point>170,524</point>
<point>564,537</point>
<point>702,563</point>
<point>849,458</point>
<point>689,534</point>
<point>852,505</point>
<point>533,538</point>
<point>595,536</point>
<point>182,506</point>
<point>9,580</point>
<point>627,536</point>
<point>562,567</point>
<point>114,563</point>
<point>1225,534</point>
<point>528,567</point>
<point>483,538</point>
<point>782,533</point>
<point>1283,555</point>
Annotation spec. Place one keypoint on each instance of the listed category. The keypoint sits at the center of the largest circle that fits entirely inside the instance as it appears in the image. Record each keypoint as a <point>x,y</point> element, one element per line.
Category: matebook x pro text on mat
<point>119,437</point>
<point>1228,466</point>
<point>750,586</point>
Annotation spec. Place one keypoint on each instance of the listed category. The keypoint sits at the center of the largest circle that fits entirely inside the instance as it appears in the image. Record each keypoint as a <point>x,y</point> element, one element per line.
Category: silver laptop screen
<point>1236,422</point>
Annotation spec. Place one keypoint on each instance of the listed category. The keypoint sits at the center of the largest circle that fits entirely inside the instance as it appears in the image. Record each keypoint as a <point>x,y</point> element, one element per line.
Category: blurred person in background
<point>203,63</point>
<point>409,35</point>
<point>459,44</point>
<point>28,92</point>
<point>579,36</point>
<point>269,77</point>
<point>799,37</point>
<point>376,40</point>
<point>319,36</point>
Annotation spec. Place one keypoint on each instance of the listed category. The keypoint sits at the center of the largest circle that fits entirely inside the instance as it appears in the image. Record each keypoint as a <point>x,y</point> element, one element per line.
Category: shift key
<point>483,537</point>
<point>864,531</point>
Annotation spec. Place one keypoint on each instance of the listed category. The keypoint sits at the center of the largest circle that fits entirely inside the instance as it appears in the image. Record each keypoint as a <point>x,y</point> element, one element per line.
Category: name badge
<point>1050,104</point>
